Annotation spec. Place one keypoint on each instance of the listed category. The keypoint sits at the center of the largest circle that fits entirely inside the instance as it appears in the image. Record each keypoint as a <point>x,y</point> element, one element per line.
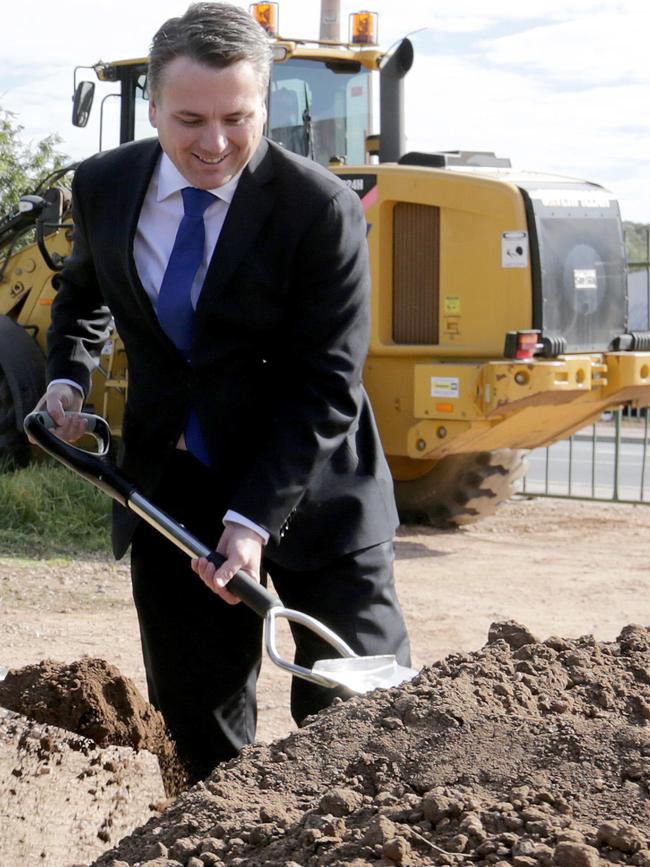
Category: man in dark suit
<point>246,416</point>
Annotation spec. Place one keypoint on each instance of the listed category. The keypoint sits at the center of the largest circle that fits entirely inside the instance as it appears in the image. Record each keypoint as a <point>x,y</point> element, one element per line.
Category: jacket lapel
<point>246,215</point>
<point>141,167</point>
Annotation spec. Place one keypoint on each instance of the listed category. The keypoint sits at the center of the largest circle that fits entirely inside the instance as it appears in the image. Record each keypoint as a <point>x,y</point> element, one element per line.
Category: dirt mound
<point>63,799</point>
<point>91,698</point>
<point>527,753</point>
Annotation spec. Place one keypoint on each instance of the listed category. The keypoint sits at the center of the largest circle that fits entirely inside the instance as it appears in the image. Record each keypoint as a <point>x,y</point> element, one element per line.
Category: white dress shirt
<point>160,217</point>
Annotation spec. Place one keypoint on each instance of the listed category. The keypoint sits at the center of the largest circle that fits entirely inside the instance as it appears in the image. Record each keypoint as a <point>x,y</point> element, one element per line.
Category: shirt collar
<point>170,181</point>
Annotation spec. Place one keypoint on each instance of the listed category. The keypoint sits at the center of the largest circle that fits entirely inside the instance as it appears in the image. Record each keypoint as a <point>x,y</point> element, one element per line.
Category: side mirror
<point>82,102</point>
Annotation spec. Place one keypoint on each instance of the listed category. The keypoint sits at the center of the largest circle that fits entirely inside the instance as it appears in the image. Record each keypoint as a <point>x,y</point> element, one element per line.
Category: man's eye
<point>189,122</point>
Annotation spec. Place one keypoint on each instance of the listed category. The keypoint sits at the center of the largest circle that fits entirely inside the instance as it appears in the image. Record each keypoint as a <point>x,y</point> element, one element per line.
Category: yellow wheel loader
<point>499,298</point>
<point>34,241</point>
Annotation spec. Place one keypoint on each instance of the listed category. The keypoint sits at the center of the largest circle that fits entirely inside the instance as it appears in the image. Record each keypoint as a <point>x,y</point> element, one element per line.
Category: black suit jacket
<point>280,338</point>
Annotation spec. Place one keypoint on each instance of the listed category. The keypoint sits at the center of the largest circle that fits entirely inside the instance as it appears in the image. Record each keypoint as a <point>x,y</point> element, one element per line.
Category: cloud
<point>557,86</point>
<point>585,52</point>
<point>562,97</point>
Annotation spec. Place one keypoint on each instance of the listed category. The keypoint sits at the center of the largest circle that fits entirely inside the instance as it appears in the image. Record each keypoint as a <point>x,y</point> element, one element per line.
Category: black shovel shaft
<point>105,476</point>
<point>247,589</point>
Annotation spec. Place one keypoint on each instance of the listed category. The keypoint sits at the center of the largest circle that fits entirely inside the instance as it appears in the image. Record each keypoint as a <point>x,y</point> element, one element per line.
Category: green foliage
<point>636,241</point>
<point>23,165</point>
<point>48,511</point>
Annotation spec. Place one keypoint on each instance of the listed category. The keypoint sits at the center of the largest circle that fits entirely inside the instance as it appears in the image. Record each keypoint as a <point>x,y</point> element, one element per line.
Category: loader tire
<point>460,489</point>
<point>14,448</point>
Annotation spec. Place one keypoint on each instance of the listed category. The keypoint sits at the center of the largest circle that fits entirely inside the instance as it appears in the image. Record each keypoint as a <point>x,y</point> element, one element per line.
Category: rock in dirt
<point>537,754</point>
<point>513,633</point>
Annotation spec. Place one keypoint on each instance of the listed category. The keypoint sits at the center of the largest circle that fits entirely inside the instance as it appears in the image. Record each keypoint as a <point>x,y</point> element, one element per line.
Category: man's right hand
<point>242,548</point>
<point>59,399</point>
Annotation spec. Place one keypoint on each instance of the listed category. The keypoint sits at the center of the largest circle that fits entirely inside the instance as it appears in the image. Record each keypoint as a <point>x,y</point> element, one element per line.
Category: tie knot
<point>196,201</point>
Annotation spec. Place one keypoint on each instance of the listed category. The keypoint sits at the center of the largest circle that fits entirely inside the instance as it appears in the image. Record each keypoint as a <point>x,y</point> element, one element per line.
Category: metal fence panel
<point>605,461</point>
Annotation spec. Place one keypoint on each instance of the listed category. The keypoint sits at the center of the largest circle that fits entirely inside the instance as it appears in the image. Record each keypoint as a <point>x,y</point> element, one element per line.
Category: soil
<point>92,698</point>
<point>532,749</point>
<point>539,753</point>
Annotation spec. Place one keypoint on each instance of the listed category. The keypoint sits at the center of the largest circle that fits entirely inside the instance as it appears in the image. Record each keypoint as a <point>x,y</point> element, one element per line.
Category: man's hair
<point>215,34</point>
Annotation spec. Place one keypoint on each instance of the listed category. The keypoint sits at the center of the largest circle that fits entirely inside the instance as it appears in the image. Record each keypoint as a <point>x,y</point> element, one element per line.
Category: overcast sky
<point>559,87</point>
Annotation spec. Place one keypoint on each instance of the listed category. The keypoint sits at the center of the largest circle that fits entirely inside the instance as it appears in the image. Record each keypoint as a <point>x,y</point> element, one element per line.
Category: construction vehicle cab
<point>499,296</point>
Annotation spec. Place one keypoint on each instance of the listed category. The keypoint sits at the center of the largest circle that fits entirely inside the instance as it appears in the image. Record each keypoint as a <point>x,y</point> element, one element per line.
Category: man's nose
<point>214,138</point>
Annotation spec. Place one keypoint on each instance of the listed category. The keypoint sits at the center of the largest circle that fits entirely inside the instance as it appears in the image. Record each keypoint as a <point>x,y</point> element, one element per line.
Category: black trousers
<point>202,656</point>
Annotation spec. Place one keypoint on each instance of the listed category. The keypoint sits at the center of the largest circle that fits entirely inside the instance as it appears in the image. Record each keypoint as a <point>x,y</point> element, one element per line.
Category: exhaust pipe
<point>393,68</point>
<point>330,20</point>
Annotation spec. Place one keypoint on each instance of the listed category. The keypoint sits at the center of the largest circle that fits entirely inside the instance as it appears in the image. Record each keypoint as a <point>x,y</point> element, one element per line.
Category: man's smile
<point>211,162</point>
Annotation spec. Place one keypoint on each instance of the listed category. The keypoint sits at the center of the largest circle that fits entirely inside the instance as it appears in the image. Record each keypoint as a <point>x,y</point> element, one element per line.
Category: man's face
<point>209,120</point>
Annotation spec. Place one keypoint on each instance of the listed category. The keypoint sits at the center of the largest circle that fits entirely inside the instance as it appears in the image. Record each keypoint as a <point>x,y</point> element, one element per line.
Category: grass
<point>48,511</point>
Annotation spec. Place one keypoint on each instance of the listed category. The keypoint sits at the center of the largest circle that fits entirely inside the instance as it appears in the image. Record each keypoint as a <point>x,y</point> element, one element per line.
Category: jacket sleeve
<point>318,388</point>
<point>81,322</point>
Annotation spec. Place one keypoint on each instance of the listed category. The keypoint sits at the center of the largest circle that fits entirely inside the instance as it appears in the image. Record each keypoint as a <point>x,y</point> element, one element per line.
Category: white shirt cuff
<point>68,382</point>
<point>236,518</point>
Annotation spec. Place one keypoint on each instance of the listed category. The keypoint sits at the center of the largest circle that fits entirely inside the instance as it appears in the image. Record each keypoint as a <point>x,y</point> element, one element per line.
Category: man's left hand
<point>243,550</point>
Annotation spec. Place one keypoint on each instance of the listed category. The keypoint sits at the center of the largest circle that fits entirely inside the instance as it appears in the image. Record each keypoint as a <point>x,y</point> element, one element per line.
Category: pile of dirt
<point>525,752</point>
<point>91,698</point>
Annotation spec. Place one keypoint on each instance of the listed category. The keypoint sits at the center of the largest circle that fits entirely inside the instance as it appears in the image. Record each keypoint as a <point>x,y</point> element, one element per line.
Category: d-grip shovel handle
<point>92,466</point>
<point>251,592</point>
<point>95,425</point>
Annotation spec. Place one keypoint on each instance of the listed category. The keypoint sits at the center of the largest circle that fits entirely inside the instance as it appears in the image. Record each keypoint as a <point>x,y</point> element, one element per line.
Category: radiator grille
<point>416,249</point>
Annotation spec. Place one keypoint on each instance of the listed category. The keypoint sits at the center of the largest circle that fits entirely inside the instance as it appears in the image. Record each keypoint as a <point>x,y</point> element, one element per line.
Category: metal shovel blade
<point>364,673</point>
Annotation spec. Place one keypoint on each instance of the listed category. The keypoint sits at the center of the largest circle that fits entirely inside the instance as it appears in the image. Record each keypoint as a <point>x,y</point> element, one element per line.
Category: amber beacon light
<point>266,15</point>
<point>363,28</point>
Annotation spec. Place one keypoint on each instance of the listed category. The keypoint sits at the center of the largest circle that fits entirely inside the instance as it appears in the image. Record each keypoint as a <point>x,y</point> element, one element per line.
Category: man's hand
<point>243,549</point>
<point>59,399</point>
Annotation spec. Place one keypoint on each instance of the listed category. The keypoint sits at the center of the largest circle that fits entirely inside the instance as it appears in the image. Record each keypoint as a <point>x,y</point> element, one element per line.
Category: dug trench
<point>524,752</point>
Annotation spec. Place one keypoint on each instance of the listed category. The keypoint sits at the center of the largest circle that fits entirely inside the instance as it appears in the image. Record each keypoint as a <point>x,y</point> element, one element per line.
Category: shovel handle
<point>92,466</point>
<point>39,421</point>
<point>103,475</point>
<point>250,591</point>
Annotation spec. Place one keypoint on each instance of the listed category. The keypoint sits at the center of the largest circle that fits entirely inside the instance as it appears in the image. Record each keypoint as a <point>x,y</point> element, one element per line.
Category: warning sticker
<point>452,305</point>
<point>585,278</point>
<point>514,250</point>
<point>445,386</point>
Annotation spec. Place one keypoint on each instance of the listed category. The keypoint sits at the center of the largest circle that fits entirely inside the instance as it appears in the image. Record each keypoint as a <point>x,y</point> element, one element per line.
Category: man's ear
<point>153,109</point>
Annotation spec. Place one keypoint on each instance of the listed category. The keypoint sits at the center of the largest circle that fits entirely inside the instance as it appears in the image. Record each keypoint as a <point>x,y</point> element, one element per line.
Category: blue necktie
<point>175,311</point>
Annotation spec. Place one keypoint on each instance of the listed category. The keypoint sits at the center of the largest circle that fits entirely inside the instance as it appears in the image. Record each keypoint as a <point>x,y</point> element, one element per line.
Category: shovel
<point>357,674</point>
